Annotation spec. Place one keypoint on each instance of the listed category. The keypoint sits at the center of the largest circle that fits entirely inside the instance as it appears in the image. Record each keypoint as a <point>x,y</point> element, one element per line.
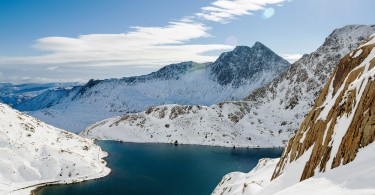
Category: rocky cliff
<point>342,120</point>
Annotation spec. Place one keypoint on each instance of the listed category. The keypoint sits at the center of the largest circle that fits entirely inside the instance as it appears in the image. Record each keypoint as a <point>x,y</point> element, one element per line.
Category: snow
<point>357,177</point>
<point>372,41</point>
<point>357,53</point>
<point>35,154</point>
<point>255,180</point>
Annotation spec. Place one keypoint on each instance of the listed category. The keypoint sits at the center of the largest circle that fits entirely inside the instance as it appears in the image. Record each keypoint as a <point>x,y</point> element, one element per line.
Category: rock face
<point>243,62</point>
<point>33,153</point>
<point>267,118</point>
<point>231,77</point>
<point>342,120</point>
<point>294,92</point>
<point>333,151</point>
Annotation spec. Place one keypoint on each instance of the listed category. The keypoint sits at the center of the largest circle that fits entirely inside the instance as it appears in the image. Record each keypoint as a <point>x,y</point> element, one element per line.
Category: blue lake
<point>164,169</point>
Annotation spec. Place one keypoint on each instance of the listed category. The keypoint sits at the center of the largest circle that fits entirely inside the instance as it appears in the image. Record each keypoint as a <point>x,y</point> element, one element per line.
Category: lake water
<point>164,169</point>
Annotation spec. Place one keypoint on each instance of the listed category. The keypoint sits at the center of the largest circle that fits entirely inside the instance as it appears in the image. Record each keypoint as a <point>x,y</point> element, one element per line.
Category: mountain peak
<point>259,45</point>
<point>243,63</point>
<point>341,38</point>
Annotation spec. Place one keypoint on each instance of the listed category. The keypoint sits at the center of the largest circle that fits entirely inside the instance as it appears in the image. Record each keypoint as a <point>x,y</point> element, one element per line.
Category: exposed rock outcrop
<point>342,120</point>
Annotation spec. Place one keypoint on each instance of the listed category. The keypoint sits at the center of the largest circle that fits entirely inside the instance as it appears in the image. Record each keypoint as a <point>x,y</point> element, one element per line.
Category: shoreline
<point>36,188</point>
<point>39,187</point>
<point>204,145</point>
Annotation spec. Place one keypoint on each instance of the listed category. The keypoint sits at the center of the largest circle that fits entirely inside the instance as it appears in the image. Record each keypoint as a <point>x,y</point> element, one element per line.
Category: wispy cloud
<point>143,46</point>
<point>151,46</point>
<point>225,10</point>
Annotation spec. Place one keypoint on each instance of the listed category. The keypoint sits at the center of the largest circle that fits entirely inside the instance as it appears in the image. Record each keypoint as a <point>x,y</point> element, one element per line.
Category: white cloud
<point>142,46</point>
<point>225,10</point>
<point>291,57</point>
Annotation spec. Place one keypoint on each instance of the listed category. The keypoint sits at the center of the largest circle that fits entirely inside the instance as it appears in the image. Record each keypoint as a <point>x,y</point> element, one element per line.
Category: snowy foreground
<point>357,177</point>
<point>35,154</point>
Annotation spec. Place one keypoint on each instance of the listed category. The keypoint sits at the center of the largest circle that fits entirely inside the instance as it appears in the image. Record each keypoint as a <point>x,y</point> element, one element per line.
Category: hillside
<point>267,118</point>
<point>33,154</point>
<point>333,151</point>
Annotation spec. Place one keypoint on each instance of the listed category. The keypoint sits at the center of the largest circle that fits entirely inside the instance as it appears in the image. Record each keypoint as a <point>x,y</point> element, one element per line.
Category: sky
<point>76,40</point>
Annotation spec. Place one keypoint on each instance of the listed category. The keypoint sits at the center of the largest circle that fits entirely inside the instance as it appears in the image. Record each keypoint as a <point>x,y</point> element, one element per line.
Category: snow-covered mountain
<point>231,77</point>
<point>267,118</point>
<point>333,151</point>
<point>15,94</point>
<point>33,154</point>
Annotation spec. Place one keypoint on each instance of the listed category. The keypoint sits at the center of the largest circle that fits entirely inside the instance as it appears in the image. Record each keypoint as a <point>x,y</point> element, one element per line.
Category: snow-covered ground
<point>357,177</point>
<point>33,154</point>
<point>189,125</point>
<point>248,183</point>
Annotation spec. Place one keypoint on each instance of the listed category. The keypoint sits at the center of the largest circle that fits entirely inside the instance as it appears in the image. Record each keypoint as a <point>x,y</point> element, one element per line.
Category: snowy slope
<point>187,125</point>
<point>354,178</point>
<point>33,154</point>
<point>333,151</point>
<point>268,117</point>
<point>231,77</point>
<point>248,183</point>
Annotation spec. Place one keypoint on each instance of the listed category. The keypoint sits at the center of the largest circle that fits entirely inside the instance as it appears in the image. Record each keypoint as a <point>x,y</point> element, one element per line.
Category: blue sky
<point>75,40</point>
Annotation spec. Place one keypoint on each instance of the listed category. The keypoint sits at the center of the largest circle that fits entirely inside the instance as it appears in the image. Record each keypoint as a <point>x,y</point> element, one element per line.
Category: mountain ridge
<point>183,83</point>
